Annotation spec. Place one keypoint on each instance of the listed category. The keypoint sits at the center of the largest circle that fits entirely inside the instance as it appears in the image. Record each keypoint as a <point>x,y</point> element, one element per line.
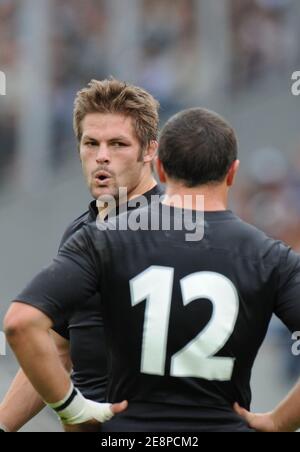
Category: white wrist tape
<point>3,428</point>
<point>75,409</point>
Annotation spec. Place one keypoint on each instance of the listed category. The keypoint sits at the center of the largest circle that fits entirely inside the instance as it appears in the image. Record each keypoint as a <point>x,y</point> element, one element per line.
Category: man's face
<point>110,154</point>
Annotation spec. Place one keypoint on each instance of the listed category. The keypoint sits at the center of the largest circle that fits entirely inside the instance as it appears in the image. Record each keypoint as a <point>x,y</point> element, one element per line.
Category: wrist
<point>74,409</point>
<point>69,407</point>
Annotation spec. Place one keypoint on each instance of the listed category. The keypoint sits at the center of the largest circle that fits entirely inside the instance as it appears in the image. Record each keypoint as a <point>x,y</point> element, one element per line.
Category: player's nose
<point>103,155</point>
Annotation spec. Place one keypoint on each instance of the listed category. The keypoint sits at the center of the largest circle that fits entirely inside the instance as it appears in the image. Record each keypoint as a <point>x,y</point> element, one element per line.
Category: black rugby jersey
<point>184,320</point>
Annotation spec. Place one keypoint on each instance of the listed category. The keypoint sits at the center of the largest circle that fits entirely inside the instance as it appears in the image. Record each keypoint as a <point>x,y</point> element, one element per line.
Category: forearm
<point>20,404</point>
<point>287,415</point>
<point>38,356</point>
<point>27,331</point>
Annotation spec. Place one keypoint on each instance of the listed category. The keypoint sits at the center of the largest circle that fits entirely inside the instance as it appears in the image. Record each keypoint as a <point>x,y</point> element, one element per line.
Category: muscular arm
<point>27,331</point>
<point>22,402</point>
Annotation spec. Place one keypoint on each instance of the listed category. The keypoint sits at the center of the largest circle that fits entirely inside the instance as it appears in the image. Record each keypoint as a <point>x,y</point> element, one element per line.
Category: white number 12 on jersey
<point>197,359</point>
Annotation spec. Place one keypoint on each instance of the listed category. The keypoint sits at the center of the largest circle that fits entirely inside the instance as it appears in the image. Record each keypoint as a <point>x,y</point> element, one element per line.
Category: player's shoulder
<point>75,226</point>
<point>250,232</point>
<point>257,242</point>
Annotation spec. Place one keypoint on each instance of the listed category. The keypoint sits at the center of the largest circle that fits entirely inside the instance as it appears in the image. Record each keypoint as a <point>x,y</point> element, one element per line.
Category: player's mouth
<point>103,178</point>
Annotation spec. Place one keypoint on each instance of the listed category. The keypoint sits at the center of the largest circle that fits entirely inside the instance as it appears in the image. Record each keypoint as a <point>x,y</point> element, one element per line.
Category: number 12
<point>197,359</point>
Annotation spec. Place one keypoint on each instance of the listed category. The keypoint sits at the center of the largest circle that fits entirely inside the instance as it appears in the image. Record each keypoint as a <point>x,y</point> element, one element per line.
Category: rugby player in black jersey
<point>184,319</point>
<point>116,126</point>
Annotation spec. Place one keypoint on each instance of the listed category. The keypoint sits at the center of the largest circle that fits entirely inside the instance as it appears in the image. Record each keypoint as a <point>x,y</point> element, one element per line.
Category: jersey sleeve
<point>61,325</point>
<point>288,295</point>
<point>71,279</point>
<point>75,226</point>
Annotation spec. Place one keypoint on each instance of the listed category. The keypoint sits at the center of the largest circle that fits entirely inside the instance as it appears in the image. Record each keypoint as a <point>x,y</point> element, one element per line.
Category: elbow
<point>14,328</point>
<point>12,331</point>
<point>18,322</point>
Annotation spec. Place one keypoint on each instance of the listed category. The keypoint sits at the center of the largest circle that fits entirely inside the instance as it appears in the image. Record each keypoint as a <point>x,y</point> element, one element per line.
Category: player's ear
<point>232,173</point>
<point>151,152</point>
<point>160,171</point>
<point>79,149</point>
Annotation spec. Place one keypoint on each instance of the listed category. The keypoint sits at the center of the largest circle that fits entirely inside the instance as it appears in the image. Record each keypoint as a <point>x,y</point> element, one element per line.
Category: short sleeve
<point>71,279</point>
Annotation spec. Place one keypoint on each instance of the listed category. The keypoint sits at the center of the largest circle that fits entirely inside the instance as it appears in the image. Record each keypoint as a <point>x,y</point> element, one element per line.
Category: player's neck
<point>215,198</point>
<point>145,184</point>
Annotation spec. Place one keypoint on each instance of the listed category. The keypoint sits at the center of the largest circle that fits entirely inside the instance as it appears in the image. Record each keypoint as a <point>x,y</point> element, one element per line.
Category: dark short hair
<point>197,147</point>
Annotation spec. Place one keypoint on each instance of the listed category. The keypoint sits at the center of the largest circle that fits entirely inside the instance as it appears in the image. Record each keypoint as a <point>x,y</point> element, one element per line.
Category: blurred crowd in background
<point>264,40</point>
